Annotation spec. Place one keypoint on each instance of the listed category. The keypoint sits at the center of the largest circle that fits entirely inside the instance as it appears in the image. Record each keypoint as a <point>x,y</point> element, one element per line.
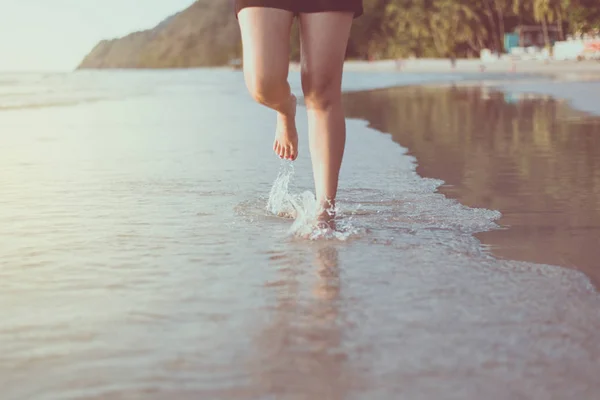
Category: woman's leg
<point>324,37</point>
<point>266,48</point>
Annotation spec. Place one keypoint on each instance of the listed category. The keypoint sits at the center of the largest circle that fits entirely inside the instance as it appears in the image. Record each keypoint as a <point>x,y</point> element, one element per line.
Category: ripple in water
<point>124,273</point>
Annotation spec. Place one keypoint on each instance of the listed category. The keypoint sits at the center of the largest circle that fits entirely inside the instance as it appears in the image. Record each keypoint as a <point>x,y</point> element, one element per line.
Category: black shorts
<point>304,6</point>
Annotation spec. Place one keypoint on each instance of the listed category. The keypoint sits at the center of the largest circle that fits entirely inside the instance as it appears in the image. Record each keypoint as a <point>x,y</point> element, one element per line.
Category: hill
<point>205,34</point>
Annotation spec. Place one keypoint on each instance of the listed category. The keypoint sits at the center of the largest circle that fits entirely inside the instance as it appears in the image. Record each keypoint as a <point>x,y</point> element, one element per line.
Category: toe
<point>293,154</point>
<point>278,149</point>
<point>286,152</point>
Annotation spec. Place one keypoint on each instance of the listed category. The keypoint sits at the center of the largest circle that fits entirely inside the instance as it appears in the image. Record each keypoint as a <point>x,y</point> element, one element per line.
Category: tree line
<point>207,33</point>
<point>458,28</point>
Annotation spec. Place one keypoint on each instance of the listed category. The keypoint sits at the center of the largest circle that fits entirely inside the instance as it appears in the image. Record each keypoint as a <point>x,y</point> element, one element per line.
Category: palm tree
<point>495,11</point>
<point>501,6</point>
<point>408,25</point>
<point>561,8</point>
<point>453,22</point>
<point>549,11</point>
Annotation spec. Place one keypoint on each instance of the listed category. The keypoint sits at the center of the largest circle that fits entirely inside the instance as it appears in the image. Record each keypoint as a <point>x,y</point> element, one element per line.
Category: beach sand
<point>573,70</point>
<point>519,148</point>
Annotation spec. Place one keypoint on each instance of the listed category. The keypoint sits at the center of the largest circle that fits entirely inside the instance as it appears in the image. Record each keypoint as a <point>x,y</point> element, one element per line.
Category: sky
<point>55,35</point>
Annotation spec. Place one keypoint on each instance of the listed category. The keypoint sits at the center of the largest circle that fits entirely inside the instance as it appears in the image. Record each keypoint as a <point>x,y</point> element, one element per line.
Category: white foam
<point>303,208</point>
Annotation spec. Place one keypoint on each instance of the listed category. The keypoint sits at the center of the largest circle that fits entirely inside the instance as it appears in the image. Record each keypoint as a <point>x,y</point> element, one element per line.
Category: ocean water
<point>140,258</point>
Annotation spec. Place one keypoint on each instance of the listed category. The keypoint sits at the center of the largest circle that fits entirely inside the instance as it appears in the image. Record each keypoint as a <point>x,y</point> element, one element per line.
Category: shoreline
<point>565,70</point>
<point>572,81</point>
<point>555,72</point>
<point>547,238</point>
<point>578,94</point>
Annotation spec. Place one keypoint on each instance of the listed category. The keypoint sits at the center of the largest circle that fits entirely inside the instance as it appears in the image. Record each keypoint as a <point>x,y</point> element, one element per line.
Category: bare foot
<point>326,217</point>
<point>286,137</point>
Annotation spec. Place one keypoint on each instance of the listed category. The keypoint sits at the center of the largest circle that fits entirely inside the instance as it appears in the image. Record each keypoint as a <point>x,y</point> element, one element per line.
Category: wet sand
<point>532,157</point>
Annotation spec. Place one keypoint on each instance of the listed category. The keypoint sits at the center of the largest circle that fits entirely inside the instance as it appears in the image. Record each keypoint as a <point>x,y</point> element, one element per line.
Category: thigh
<point>324,38</point>
<point>265,41</point>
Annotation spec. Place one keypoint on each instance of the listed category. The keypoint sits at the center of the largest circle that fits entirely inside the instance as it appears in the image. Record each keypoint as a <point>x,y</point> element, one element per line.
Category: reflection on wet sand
<point>533,158</point>
<point>301,349</point>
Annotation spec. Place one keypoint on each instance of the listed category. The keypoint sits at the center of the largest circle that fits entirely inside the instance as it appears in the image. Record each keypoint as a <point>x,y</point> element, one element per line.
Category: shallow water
<point>138,259</point>
<point>529,156</point>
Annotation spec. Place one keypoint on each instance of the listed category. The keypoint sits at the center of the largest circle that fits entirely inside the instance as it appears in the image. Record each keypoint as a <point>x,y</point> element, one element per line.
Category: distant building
<point>530,36</point>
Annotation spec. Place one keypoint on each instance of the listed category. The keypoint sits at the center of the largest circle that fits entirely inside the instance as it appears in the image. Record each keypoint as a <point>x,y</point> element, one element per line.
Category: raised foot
<point>286,137</point>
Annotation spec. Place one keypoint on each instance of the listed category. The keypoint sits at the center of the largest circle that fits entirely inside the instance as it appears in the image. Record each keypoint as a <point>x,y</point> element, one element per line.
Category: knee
<point>266,89</point>
<point>320,92</point>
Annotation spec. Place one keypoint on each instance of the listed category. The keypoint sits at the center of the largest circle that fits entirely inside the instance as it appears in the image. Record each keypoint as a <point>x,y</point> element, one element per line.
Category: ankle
<point>326,214</point>
<point>327,206</point>
<point>288,107</point>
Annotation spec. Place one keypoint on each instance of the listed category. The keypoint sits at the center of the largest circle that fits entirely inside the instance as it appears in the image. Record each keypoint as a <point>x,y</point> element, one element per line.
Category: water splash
<point>303,208</point>
<point>280,201</point>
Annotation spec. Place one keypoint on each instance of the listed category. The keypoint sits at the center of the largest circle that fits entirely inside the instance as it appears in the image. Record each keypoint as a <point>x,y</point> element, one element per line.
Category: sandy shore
<point>576,82</point>
<point>516,146</point>
<point>566,69</point>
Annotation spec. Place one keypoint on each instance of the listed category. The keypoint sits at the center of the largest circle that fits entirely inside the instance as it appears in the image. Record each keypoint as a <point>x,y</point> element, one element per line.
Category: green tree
<point>584,16</point>
<point>207,32</point>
